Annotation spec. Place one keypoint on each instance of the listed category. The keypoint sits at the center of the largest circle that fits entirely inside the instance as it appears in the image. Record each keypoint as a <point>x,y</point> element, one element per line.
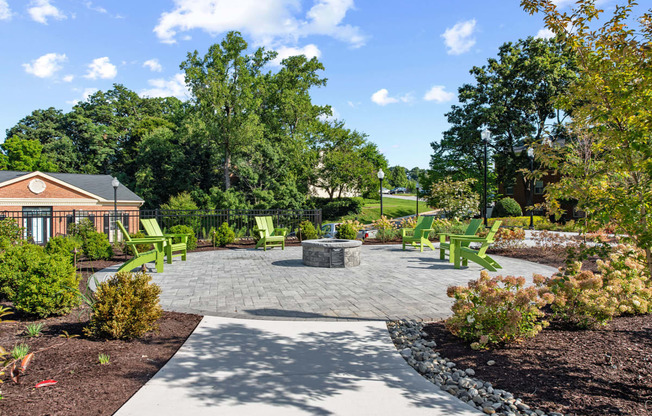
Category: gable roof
<point>97,185</point>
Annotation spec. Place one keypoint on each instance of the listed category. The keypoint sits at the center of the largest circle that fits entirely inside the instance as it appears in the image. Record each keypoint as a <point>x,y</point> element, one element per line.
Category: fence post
<point>158,215</point>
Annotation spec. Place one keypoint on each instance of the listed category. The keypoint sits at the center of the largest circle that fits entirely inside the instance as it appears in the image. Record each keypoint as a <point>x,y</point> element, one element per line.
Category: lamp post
<point>530,155</point>
<point>417,199</point>
<point>115,184</point>
<point>485,135</point>
<point>381,175</point>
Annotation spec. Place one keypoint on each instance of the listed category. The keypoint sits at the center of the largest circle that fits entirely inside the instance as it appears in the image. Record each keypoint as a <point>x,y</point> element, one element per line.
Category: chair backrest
<point>270,224</point>
<point>151,227</point>
<point>424,222</point>
<point>261,223</point>
<point>489,238</point>
<point>127,237</point>
<point>473,226</point>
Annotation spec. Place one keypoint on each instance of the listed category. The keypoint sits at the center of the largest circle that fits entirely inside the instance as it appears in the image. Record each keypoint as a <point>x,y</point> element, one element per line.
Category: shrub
<point>185,229</point>
<point>587,299</point>
<point>409,222</point>
<point>346,231</point>
<point>10,233</point>
<point>223,236</point>
<point>339,207</point>
<point>506,238</point>
<point>386,229</point>
<point>307,231</point>
<point>95,245</point>
<point>520,221</point>
<point>497,310</point>
<point>38,283</point>
<point>453,226</point>
<point>64,245</point>
<point>140,247</point>
<point>507,207</point>
<point>456,199</point>
<point>126,306</point>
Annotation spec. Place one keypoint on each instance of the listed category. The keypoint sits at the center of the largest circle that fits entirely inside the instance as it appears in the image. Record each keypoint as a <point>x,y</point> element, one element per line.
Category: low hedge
<point>338,207</point>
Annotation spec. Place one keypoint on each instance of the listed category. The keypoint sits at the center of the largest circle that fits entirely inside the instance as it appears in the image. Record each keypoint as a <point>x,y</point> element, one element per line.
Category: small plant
<point>223,236</point>
<point>191,244</point>
<point>307,231</point>
<point>19,351</point>
<point>346,231</point>
<point>66,335</point>
<point>5,311</point>
<point>497,310</point>
<point>126,306</point>
<point>34,329</point>
<point>386,229</point>
<point>103,358</point>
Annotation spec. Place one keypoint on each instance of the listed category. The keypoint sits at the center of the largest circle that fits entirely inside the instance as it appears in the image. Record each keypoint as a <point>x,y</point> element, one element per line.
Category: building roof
<point>99,185</point>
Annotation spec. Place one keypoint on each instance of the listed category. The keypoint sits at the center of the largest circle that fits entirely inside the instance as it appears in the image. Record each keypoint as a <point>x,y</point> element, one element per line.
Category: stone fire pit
<point>328,252</point>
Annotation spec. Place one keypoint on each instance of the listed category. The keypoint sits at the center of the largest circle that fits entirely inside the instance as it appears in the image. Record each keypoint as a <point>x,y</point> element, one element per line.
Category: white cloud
<point>381,97</point>
<point>563,3</point>
<point>45,66</point>
<point>438,94</point>
<point>269,22</point>
<point>334,116</point>
<point>173,87</point>
<point>85,94</point>
<point>153,65</point>
<point>68,78</point>
<point>89,5</point>
<point>310,51</point>
<point>101,68</point>
<point>459,38</point>
<point>5,11</point>
<point>545,33</point>
<point>41,10</point>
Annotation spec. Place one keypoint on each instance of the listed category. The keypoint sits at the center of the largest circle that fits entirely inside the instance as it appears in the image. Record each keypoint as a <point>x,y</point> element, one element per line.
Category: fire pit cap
<point>331,243</point>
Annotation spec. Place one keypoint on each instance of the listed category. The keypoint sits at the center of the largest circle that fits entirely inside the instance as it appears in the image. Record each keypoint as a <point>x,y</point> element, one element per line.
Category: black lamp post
<point>417,199</point>
<point>486,135</point>
<point>530,155</point>
<point>381,175</point>
<point>115,184</point>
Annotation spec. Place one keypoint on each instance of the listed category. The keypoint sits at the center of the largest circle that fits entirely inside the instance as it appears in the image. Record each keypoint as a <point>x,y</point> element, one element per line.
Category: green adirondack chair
<point>155,255</point>
<point>269,236</point>
<point>479,256</point>
<point>471,229</point>
<point>153,230</point>
<point>418,236</point>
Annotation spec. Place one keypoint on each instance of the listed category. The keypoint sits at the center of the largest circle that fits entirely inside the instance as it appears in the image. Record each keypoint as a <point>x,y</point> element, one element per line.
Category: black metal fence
<point>42,224</point>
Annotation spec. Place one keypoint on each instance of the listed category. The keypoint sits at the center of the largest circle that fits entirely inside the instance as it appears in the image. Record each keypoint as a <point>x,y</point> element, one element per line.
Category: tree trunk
<point>227,169</point>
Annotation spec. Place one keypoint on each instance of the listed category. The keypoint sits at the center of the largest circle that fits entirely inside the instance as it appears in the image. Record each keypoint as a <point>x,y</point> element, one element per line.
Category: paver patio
<point>388,284</point>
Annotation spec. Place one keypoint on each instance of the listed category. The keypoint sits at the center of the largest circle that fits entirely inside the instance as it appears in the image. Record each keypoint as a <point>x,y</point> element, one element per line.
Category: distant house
<point>46,203</point>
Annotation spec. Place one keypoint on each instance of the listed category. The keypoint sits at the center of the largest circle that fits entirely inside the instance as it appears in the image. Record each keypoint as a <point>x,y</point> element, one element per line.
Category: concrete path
<point>254,367</point>
<point>389,284</point>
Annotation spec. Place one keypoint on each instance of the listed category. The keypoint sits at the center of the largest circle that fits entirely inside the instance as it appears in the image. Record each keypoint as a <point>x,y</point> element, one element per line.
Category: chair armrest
<point>280,231</point>
<point>149,240</point>
<point>469,238</point>
<point>406,231</point>
<point>426,232</point>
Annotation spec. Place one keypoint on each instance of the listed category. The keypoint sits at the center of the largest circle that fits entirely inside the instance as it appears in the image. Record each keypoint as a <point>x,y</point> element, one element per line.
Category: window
<point>577,213</point>
<point>509,189</point>
<point>538,187</point>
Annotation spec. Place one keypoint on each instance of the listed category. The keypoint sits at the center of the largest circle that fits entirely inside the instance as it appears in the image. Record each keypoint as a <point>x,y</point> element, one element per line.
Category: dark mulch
<point>84,387</point>
<point>600,372</point>
<point>550,256</point>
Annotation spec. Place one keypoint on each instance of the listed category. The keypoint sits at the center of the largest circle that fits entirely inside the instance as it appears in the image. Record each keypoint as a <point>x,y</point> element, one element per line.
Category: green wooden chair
<point>418,236</point>
<point>471,229</point>
<point>155,255</point>
<point>269,236</point>
<point>153,230</point>
<point>479,256</point>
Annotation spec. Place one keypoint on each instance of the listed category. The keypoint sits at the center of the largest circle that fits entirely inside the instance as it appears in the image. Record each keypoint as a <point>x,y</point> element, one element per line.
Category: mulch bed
<point>84,387</point>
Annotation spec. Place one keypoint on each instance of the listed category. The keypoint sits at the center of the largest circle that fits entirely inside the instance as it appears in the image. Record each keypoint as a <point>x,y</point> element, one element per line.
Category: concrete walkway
<point>389,284</point>
<point>255,367</point>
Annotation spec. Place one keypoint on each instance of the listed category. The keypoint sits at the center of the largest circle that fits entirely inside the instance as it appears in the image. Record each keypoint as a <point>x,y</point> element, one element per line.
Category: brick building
<point>46,203</point>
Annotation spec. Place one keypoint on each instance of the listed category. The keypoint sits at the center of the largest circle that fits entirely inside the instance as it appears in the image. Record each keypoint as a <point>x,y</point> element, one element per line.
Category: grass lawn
<point>392,208</point>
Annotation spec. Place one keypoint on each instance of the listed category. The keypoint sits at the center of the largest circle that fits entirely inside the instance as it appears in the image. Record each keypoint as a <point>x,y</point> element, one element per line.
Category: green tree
<point>398,177</point>
<point>606,164</point>
<point>456,199</point>
<point>26,155</point>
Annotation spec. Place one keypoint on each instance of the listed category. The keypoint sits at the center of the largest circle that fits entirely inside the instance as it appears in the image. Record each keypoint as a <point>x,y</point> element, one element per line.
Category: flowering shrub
<point>586,299</point>
<point>496,310</point>
<point>386,229</point>
<point>453,226</point>
<point>409,222</point>
<point>506,238</point>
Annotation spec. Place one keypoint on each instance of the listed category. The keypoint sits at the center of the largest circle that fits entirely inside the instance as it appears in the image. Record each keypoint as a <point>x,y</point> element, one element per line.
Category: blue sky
<point>393,68</point>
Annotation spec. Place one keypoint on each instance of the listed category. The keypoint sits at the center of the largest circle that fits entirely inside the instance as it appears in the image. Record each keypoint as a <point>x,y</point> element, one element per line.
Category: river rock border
<point>408,337</point>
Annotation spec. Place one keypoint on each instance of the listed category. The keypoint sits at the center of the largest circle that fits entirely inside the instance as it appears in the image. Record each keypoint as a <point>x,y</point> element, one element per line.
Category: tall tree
<point>26,155</point>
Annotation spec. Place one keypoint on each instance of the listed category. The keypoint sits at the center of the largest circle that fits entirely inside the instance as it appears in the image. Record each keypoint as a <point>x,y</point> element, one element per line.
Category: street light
<point>485,135</point>
<point>530,155</point>
<point>381,175</point>
<point>115,182</point>
<point>417,198</point>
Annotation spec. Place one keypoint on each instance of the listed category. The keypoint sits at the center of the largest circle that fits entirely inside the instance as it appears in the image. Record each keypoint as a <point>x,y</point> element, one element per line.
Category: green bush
<point>339,207</point>
<point>126,306</point>
<point>307,231</point>
<point>185,229</point>
<point>95,245</point>
<point>10,233</point>
<point>64,245</point>
<point>346,231</point>
<point>141,248</point>
<point>507,207</point>
<point>38,283</point>
<point>497,310</point>
<point>223,236</point>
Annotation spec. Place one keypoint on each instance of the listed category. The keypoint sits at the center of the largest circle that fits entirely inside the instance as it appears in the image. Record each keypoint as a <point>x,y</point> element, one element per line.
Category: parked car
<point>386,191</point>
<point>399,190</point>
<point>329,230</point>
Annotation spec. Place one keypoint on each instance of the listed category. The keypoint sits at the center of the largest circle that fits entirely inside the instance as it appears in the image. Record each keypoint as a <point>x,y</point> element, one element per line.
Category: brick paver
<point>388,284</point>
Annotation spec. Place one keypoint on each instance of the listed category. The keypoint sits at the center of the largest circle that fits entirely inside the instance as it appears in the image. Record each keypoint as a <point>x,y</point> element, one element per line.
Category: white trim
<point>55,180</point>
<point>59,202</point>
